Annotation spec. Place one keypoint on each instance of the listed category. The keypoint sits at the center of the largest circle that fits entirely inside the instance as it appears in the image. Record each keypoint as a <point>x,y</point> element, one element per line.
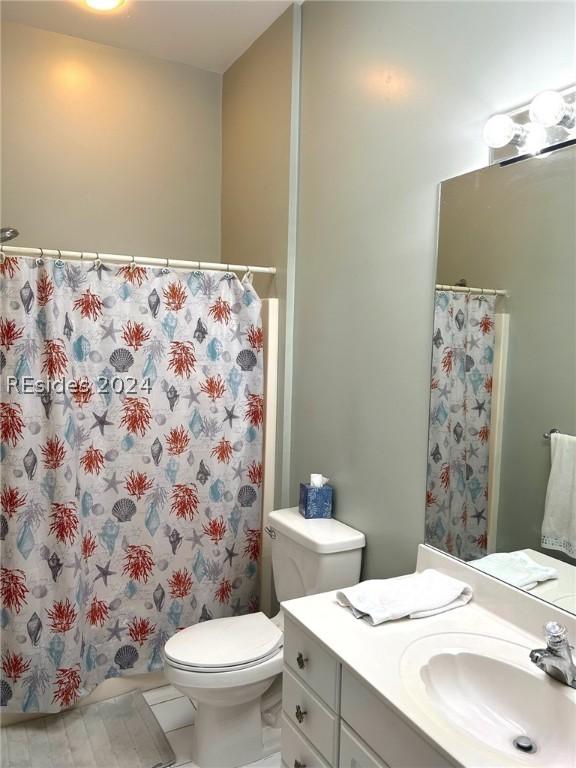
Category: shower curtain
<point>459,430</point>
<point>130,490</point>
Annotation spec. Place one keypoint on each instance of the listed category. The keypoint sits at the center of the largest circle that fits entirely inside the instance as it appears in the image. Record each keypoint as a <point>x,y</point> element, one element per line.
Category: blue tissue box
<point>315,502</point>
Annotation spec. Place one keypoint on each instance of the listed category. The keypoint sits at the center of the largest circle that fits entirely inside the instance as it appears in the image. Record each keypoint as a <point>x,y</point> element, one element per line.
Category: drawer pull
<point>301,661</point>
<point>300,713</point>
<point>298,764</point>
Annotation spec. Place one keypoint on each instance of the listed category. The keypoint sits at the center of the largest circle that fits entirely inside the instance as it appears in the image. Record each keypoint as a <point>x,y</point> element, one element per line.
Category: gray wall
<point>515,228</point>
<point>394,96</point>
<point>105,149</point>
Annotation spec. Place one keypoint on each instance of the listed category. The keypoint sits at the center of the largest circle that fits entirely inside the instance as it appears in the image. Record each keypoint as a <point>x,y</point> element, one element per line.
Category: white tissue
<point>317,481</point>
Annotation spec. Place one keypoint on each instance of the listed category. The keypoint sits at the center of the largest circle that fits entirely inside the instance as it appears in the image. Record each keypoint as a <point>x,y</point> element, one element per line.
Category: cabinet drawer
<point>312,663</point>
<point>310,716</point>
<point>297,752</point>
<point>354,753</point>
<point>383,730</point>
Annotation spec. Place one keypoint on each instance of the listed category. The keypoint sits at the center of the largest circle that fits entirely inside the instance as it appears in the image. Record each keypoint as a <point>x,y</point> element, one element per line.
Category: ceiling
<point>207,34</point>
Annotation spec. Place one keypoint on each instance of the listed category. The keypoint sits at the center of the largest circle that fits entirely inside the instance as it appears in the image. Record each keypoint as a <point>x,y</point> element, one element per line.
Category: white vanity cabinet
<point>331,719</point>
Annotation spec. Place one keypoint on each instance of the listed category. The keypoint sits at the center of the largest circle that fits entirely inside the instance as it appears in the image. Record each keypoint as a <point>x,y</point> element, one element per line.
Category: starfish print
<point>109,331</point>
<point>480,406</point>
<point>66,403</point>
<point>238,471</point>
<point>236,334</point>
<point>192,397</point>
<point>230,554</point>
<point>196,539</point>
<point>479,515</point>
<point>104,572</point>
<point>101,421</point>
<point>115,631</point>
<point>230,415</point>
<point>112,483</point>
<point>99,268</point>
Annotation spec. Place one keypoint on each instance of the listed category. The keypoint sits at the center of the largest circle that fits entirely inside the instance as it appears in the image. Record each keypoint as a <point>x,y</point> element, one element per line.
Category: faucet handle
<point>556,634</point>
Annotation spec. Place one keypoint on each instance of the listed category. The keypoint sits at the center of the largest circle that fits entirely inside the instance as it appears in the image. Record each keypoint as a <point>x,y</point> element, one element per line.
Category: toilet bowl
<point>226,666</point>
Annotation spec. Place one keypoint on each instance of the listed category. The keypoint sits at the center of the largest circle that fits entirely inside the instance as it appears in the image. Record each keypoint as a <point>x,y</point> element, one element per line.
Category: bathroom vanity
<point>455,689</point>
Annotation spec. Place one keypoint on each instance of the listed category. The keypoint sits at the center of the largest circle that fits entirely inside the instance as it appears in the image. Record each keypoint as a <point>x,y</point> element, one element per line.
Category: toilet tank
<point>311,556</point>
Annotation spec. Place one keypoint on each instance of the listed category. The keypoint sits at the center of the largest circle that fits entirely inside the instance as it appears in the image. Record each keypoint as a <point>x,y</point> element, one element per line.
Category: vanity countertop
<point>375,654</point>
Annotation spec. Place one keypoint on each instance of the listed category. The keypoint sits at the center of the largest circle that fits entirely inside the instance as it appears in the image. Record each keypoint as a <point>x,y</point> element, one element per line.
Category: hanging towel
<point>417,595</point>
<point>559,525</point>
<point>515,568</point>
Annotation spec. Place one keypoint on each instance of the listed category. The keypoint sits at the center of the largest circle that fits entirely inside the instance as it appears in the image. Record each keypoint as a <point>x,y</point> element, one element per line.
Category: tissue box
<point>315,502</point>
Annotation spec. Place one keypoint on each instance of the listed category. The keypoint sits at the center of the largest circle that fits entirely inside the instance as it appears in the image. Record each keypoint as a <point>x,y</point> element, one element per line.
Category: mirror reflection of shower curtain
<point>460,415</point>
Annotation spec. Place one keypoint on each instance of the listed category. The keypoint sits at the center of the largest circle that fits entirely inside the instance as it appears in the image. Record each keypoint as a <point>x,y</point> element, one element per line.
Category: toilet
<point>226,665</point>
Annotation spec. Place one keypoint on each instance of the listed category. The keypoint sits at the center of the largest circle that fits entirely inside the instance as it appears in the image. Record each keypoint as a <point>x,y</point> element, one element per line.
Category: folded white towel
<point>559,525</point>
<point>417,595</point>
<point>516,568</point>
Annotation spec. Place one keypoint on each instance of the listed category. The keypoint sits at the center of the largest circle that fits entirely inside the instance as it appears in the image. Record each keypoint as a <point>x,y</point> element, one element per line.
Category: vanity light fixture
<point>501,130</point>
<point>104,5</point>
<point>550,108</point>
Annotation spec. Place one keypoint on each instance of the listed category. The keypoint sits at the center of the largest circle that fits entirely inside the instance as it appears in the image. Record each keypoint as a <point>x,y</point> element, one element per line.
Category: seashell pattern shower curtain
<point>459,432</point>
<point>131,491</point>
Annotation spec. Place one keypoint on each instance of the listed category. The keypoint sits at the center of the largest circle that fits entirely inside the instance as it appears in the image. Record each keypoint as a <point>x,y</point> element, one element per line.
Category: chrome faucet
<point>556,659</point>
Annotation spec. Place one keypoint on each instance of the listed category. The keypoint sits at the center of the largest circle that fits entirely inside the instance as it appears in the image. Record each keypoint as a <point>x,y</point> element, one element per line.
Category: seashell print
<point>158,596</point>
<point>34,628</point>
<point>124,510</point>
<point>154,302</point>
<point>3,527</point>
<point>247,496</point>
<point>205,615</point>
<point>68,327</point>
<point>111,455</point>
<point>126,657</point>
<point>39,591</point>
<point>30,463</point>
<point>156,451</point>
<point>115,604</point>
<point>175,540</point>
<point>5,693</point>
<point>81,349</point>
<point>163,564</point>
<point>2,360</point>
<point>246,359</point>
<point>122,360</point>
<point>27,297</point>
<point>55,565</point>
<point>201,331</point>
<point>46,400</point>
<point>172,396</point>
<point>203,473</point>
<point>437,339</point>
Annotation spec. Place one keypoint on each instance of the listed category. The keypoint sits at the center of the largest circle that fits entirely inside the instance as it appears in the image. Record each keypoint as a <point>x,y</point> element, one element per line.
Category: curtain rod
<point>145,261</point>
<point>475,291</point>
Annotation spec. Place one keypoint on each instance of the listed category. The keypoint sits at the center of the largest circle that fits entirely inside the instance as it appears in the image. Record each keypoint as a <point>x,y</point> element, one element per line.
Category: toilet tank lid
<point>322,535</point>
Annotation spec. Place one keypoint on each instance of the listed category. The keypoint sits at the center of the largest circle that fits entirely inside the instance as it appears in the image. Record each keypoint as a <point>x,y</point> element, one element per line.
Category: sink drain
<point>525,744</point>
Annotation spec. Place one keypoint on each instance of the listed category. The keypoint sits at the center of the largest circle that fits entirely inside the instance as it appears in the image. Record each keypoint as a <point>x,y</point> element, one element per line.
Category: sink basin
<point>489,690</point>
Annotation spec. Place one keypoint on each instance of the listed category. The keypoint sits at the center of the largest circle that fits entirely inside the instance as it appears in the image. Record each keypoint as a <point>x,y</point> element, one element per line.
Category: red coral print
<point>482,540</point>
<point>54,453</point>
<point>255,338</point>
<point>449,542</point>
<point>430,499</point>
<point>138,562</point>
<point>9,266</point>
<point>434,384</point>
<point>136,415</point>
<point>255,410</point>
<point>62,616</point>
<point>97,613</point>
<point>133,274</point>
<point>448,361</point>
<point>14,666</point>
<point>221,311</point>
<point>223,451</point>
<point>64,522</point>
<point>180,583</point>
<point>13,589</point>
<point>92,461</point>
<point>445,476</point>
<point>11,424</point>
<point>486,324</point>
<point>134,335</point>
<point>138,483</point>
<point>182,358</point>
<point>184,501</point>
<point>256,473</point>
<point>90,305</point>
<point>215,529</point>
<point>140,630</point>
<point>9,333</point>
<point>214,387</point>
<point>253,542</point>
<point>88,546</point>
<point>11,500</point>
<point>224,591</point>
<point>177,441</point>
<point>55,359</point>
<point>82,391</point>
<point>67,686</point>
<point>488,385</point>
<point>44,290</point>
<point>174,296</point>
<point>484,434</point>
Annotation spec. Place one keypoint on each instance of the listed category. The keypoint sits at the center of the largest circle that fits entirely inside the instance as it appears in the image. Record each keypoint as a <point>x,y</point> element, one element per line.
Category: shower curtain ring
<point>133,264</point>
<point>59,262</point>
<point>165,269</point>
<point>97,261</point>
<point>40,259</point>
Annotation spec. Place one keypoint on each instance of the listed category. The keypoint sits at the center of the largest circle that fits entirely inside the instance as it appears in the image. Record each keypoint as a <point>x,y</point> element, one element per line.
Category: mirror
<point>504,375</point>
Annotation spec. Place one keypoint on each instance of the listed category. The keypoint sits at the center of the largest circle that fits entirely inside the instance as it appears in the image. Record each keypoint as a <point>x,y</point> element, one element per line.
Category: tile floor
<point>175,713</point>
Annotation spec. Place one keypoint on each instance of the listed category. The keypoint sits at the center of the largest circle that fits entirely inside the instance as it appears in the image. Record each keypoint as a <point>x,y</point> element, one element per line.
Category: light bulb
<point>501,130</point>
<point>535,137</point>
<point>549,108</point>
<point>104,5</point>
